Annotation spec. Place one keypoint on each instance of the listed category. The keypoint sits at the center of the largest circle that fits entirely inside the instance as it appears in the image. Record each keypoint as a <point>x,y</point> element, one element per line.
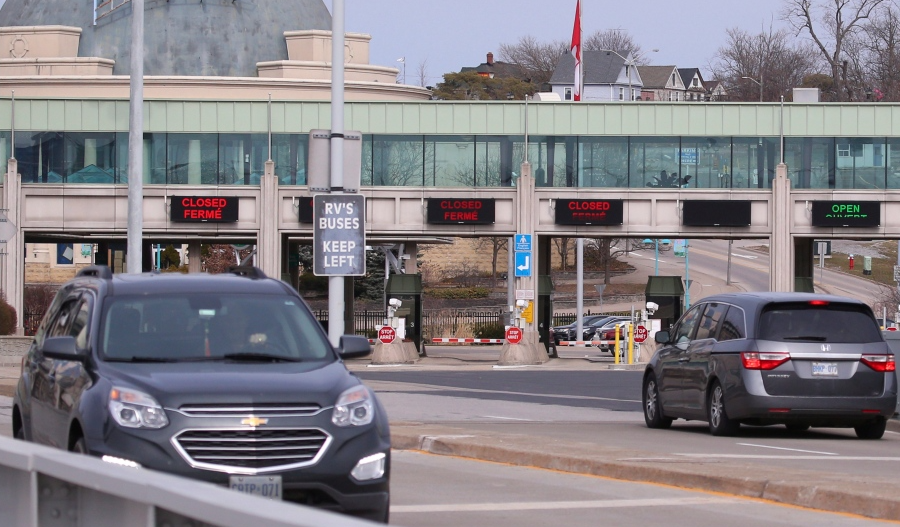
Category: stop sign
<point>640,334</point>
<point>387,334</point>
<point>514,334</point>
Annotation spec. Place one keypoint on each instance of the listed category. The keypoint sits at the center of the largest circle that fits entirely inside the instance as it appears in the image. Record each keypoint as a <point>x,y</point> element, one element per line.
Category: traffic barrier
<point>47,487</point>
<point>467,341</point>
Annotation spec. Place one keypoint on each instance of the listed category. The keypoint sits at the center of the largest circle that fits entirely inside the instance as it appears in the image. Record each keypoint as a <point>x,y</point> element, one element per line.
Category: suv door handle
<point>684,359</point>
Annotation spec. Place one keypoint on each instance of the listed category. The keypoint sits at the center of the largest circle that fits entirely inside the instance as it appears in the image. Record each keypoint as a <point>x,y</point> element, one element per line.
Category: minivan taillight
<point>882,363</point>
<point>764,360</point>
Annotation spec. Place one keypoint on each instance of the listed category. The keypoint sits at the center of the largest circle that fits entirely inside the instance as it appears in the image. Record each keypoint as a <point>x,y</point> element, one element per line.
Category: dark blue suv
<point>223,378</point>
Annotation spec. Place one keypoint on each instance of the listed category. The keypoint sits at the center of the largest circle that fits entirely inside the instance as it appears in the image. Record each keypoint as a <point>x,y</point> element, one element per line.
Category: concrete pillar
<point>803,265</point>
<point>13,275</point>
<point>411,265</point>
<point>781,253</point>
<point>268,244</point>
<point>194,256</point>
<point>529,350</point>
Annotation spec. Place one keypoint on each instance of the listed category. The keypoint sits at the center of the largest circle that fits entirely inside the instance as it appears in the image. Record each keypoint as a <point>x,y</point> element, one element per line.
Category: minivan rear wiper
<point>814,338</point>
<point>262,357</point>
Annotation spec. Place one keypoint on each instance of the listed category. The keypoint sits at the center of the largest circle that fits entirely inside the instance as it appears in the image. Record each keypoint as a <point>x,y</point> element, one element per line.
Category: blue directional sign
<point>523,264</point>
<point>523,242</point>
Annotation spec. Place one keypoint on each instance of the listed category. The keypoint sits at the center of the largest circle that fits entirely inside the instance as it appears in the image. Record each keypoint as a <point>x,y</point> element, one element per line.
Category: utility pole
<point>135,245</point>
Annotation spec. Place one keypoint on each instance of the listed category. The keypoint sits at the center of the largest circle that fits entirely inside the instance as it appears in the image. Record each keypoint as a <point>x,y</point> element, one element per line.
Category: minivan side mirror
<point>662,337</point>
<point>61,348</point>
<point>354,347</point>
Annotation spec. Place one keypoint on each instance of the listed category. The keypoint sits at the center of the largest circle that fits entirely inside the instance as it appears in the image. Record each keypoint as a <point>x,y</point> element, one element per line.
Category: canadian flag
<point>576,52</point>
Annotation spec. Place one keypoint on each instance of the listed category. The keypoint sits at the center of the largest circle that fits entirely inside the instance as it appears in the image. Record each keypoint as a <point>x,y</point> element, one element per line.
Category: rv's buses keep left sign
<point>339,235</point>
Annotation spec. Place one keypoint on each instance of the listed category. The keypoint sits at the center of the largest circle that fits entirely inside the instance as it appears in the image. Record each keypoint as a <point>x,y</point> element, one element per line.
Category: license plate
<point>265,486</point>
<point>825,369</point>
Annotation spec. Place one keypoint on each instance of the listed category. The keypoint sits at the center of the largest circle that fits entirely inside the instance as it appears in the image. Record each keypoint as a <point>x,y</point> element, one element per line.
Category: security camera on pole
<point>390,347</point>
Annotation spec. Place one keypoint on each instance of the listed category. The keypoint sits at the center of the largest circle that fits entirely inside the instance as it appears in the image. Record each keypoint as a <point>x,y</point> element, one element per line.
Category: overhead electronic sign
<point>469,211</point>
<point>214,209</point>
<point>846,213</point>
<point>715,213</point>
<point>589,211</point>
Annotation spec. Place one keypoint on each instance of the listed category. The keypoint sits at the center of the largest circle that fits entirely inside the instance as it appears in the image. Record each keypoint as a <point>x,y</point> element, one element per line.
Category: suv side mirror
<point>61,348</point>
<point>354,347</point>
<point>662,337</point>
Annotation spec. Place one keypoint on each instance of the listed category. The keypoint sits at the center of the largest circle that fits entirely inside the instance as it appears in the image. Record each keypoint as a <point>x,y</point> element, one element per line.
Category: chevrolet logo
<point>254,421</point>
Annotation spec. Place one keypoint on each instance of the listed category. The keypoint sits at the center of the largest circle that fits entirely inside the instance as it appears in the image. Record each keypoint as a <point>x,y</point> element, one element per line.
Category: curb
<point>859,495</point>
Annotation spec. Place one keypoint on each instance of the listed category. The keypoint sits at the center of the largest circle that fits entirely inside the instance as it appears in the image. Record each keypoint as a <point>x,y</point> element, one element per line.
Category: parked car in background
<point>567,332</point>
<point>798,359</point>
<point>224,378</point>
<point>597,330</point>
<point>892,337</point>
<point>608,332</point>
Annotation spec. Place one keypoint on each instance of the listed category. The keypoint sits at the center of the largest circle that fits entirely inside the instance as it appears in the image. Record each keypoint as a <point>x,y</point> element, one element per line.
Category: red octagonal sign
<point>640,334</point>
<point>387,334</point>
<point>514,334</point>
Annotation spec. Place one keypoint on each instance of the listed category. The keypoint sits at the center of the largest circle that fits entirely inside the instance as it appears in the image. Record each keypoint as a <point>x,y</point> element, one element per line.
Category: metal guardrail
<point>45,487</point>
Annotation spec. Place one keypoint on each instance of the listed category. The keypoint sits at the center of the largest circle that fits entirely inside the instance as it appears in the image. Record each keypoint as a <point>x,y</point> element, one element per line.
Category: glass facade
<point>864,163</point>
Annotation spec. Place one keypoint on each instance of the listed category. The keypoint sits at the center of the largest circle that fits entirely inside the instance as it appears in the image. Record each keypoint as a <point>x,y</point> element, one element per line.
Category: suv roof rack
<point>247,270</point>
<point>98,271</point>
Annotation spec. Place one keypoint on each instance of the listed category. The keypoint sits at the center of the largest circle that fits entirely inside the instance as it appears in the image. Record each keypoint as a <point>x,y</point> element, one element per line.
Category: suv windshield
<point>216,326</point>
<point>818,322</point>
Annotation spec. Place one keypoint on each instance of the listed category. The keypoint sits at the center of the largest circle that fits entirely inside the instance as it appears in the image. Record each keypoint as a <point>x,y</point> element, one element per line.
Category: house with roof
<point>695,90</point>
<point>495,69</point>
<point>661,83</point>
<point>607,77</point>
<point>717,91</point>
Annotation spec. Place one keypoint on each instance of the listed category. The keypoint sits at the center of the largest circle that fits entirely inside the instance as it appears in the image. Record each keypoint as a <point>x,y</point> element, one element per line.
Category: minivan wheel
<point>653,415</point>
<point>871,430</point>
<point>719,422</point>
<point>20,433</point>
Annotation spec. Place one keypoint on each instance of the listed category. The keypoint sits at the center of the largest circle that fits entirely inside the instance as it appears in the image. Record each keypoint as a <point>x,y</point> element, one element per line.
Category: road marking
<point>798,458</point>
<point>408,387</point>
<point>558,505</point>
<point>744,256</point>
<point>505,418</point>
<point>791,449</point>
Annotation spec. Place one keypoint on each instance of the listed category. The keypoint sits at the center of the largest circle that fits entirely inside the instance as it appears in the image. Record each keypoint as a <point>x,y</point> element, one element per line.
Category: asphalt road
<point>604,407</point>
<point>446,491</point>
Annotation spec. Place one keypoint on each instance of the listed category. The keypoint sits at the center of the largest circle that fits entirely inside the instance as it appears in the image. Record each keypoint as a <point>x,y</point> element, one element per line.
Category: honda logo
<point>826,347</point>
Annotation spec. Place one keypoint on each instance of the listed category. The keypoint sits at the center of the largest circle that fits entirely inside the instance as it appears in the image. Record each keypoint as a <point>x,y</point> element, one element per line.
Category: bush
<point>459,293</point>
<point>490,331</point>
<point>311,282</point>
<point>8,318</point>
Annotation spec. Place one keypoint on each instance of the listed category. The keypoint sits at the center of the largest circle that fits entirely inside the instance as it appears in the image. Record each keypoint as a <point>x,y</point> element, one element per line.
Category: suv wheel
<point>653,415</point>
<point>719,422</point>
<point>79,447</point>
<point>871,430</point>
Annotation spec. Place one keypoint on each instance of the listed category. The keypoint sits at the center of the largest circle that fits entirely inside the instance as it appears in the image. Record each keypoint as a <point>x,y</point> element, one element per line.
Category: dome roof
<point>219,38</point>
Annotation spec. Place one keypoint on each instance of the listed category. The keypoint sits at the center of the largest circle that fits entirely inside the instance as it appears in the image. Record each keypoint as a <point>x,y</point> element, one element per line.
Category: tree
<point>421,74</point>
<point>769,58</point>
<point>496,245</point>
<point>599,253</point>
<point>469,85</point>
<point>169,258</point>
<point>878,56</point>
<point>832,25</point>
<point>536,59</point>
<point>616,40</point>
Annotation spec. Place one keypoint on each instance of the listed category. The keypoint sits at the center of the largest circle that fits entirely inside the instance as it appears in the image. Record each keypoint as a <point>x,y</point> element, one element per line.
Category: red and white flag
<point>576,52</point>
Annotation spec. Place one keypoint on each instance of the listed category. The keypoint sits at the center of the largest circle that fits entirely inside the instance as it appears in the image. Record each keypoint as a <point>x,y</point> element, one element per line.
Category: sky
<point>449,34</point>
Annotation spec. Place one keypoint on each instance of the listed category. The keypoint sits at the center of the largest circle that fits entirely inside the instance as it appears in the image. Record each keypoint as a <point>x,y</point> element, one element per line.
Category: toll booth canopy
<point>668,293</point>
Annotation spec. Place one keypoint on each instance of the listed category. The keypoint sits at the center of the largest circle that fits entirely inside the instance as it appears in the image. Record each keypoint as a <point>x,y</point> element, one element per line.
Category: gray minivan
<point>798,359</point>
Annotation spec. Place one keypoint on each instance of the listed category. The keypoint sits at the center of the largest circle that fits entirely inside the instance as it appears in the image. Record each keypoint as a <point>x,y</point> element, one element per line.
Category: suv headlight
<point>354,407</point>
<point>135,409</point>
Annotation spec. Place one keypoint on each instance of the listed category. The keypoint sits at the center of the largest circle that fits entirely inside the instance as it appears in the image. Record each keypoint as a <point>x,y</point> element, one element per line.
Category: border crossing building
<point>430,169</point>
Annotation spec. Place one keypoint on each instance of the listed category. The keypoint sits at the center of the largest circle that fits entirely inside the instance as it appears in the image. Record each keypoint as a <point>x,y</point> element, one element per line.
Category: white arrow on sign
<point>526,265</point>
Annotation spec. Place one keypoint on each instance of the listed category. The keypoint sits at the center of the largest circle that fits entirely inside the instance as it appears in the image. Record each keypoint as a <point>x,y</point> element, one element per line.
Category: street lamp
<point>403,61</point>
<point>759,83</point>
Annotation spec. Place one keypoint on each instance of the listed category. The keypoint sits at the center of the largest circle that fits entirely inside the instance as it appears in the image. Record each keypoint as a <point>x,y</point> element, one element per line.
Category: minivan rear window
<point>833,322</point>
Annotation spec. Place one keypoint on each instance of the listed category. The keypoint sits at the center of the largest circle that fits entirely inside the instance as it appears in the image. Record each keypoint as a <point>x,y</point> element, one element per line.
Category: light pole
<point>629,67</point>
<point>759,83</point>
<point>403,60</point>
